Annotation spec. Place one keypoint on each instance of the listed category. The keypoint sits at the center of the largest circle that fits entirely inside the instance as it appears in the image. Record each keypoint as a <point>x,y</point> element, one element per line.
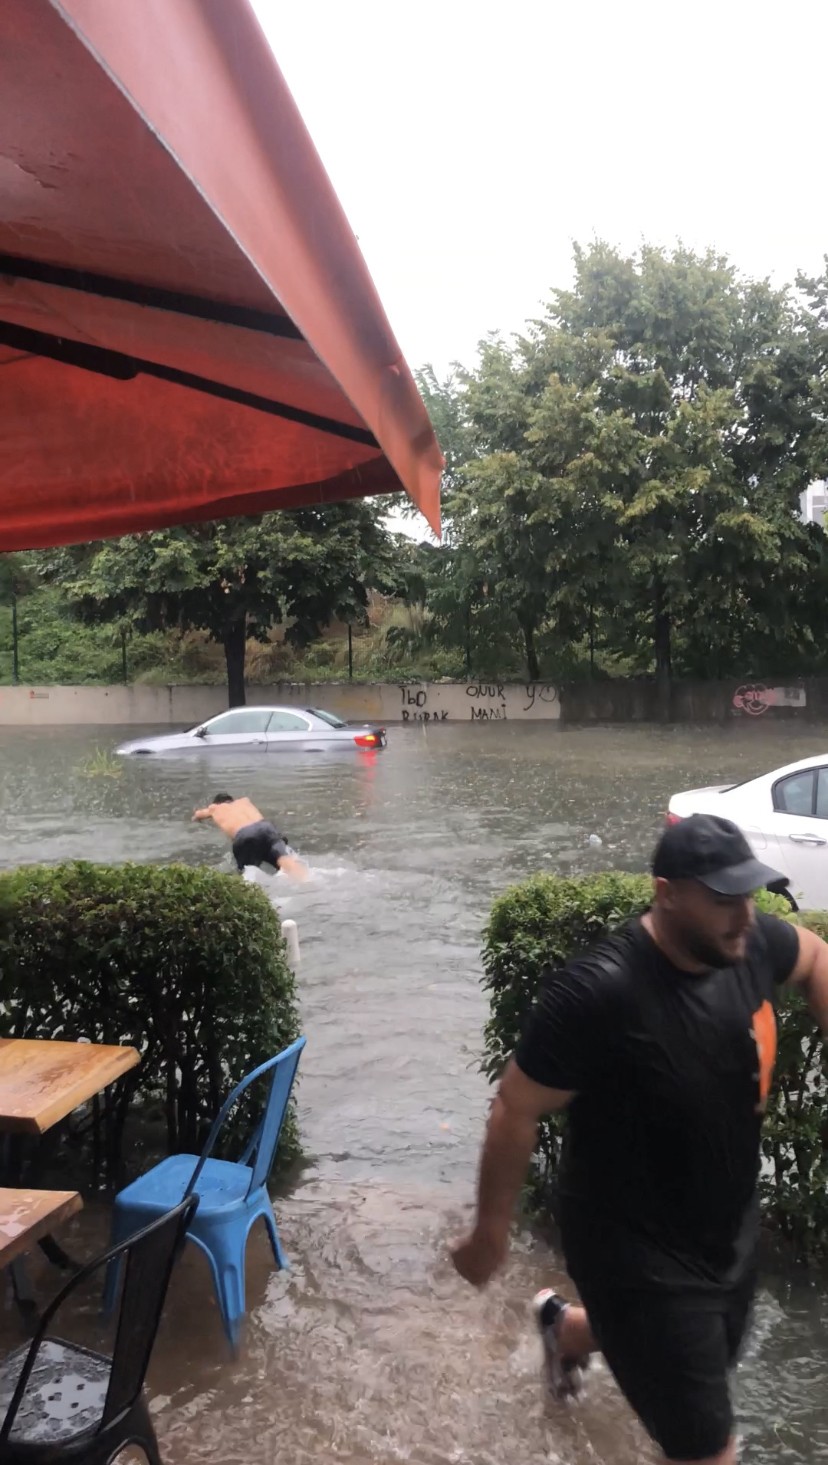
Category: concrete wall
<point>355,701</point>
<point>748,701</point>
<point>612,701</point>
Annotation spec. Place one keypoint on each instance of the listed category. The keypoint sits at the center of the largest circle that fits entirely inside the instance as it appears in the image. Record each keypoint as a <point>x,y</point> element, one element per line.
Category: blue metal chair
<point>232,1195</point>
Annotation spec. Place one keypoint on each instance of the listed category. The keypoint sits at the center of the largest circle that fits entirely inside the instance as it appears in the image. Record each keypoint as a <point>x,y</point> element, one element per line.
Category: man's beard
<point>702,949</point>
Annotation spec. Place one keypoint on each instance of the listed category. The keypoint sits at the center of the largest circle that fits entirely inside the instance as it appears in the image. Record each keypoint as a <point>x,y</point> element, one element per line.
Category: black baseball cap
<point>715,852</point>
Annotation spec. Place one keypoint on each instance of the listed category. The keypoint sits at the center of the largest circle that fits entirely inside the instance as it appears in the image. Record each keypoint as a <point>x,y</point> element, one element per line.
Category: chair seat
<point>65,1395</point>
<point>221,1185</point>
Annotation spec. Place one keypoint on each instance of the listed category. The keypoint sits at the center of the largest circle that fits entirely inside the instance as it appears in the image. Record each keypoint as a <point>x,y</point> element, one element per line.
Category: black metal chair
<point>64,1403</point>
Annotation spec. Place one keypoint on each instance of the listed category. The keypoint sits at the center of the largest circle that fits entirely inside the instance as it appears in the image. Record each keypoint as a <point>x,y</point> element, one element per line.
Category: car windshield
<point>328,717</point>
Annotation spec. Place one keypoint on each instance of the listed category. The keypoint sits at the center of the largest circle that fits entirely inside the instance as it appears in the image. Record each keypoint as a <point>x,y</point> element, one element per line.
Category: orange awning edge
<point>277,202</point>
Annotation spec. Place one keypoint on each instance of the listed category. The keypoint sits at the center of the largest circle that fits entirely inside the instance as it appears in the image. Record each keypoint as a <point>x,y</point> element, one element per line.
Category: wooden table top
<point>26,1215</point>
<point>42,1080</point>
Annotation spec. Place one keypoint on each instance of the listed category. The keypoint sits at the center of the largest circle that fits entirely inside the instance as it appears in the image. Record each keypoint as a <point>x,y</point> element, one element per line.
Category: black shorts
<point>670,1354</point>
<point>259,844</point>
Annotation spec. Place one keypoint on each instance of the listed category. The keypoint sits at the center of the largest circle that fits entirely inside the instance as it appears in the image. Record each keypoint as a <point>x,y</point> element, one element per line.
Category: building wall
<point>143,706</point>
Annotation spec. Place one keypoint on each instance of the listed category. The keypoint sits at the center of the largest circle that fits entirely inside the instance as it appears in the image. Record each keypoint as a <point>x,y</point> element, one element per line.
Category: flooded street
<point>370,1350</point>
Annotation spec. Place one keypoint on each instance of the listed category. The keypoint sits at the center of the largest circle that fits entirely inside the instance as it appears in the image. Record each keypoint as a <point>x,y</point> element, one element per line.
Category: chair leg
<point>140,1431</point>
<point>273,1232</point>
<point>227,1260</point>
<point>146,1444</point>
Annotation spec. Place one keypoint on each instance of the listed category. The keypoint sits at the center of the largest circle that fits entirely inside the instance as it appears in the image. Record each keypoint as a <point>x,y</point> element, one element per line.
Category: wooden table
<point>26,1216</point>
<point>42,1080</point>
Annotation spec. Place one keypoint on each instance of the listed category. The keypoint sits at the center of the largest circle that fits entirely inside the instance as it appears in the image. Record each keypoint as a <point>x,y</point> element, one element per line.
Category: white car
<point>265,730</point>
<point>784,815</point>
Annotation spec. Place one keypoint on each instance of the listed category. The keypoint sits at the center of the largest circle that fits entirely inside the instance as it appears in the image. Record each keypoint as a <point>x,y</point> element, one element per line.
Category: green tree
<point>16,581</point>
<point>712,373</point>
<point>446,405</point>
<point>234,579</point>
<point>538,511</point>
<point>643,449</point>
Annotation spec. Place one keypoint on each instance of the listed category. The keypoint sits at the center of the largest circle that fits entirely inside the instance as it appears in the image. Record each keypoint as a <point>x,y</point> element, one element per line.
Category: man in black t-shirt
<point>660,1042</point>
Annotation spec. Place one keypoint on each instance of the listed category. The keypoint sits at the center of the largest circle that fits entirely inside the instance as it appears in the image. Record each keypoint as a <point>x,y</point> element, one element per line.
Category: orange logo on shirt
<point>764,1036</point>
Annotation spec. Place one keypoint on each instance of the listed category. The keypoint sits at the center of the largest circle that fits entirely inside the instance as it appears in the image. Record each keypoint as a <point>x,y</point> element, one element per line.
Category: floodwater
<point>370,1350</point>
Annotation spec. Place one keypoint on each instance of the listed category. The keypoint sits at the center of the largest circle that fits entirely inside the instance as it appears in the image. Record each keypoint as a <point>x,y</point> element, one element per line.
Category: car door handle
<point>807,839</point>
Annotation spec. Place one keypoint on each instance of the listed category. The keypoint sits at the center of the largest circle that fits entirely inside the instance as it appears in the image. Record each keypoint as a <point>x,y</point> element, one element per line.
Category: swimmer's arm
<point>811,975</point>
<point>203,813</point>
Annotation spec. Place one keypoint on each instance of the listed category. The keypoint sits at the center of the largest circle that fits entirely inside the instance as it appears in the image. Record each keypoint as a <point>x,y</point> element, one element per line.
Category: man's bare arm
<point>510,1139</point>
<point>811,975</point>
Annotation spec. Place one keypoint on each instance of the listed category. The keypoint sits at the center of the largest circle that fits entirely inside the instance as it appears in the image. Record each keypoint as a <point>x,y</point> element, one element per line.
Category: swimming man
<point>255,840</point>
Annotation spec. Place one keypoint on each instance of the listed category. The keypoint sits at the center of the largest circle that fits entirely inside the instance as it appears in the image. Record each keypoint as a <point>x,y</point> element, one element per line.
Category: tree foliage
<point>234,579</point>
<point>643,449</point>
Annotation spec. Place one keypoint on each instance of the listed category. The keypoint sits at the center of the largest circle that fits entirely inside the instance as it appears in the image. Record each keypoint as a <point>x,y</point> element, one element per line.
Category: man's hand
<point>479,1255</point>
<point>201,814</point>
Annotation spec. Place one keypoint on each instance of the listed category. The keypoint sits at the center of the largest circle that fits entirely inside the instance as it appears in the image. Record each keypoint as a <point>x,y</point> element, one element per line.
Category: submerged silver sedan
<point>266,730</point>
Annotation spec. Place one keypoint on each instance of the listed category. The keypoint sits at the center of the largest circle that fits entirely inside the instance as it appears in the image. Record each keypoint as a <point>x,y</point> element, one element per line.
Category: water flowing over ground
<point>370,1350</point>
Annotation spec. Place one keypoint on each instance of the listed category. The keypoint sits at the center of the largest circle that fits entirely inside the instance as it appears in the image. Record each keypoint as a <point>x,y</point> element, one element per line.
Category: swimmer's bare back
<point>232,816</point>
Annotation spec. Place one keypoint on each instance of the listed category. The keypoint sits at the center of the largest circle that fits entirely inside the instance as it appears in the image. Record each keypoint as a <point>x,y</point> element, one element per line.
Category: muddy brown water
<point>370,1350</point>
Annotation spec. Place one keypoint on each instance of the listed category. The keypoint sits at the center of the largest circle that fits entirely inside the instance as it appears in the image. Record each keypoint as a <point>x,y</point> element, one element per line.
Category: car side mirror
<point>200,732</point>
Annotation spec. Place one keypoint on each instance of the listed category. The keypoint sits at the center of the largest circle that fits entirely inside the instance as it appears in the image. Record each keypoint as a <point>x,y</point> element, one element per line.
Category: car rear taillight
<point>672,819</point>
<point>367,740</point>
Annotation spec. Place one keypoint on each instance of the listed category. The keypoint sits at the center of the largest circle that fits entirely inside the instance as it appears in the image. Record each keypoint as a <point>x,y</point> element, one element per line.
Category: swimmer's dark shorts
<point>259,844</point>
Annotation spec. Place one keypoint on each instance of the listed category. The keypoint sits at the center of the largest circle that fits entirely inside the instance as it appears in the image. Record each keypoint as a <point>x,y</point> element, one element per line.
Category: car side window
<point>288,722</point>
<point>822,794</point>
<point>795,795</point>
<point>242,720</point>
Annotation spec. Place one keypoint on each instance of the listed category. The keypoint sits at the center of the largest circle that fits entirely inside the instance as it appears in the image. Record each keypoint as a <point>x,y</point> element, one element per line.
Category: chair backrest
<point>149,1255</point>
<point>277,1075</point>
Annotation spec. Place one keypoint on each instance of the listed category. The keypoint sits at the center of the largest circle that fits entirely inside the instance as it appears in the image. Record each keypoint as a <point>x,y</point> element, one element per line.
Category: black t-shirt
<point>670,1072</point>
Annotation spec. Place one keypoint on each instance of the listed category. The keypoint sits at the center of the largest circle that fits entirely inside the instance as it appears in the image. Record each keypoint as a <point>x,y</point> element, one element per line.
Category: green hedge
<point>549,919</point>
<point>186,964</point>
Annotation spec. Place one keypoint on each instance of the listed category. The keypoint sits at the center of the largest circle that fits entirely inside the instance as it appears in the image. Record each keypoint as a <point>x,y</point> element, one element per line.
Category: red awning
<point>187,326</point>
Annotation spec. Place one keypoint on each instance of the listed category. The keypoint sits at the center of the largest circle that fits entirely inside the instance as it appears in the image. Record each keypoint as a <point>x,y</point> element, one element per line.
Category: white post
<point>290,931</point>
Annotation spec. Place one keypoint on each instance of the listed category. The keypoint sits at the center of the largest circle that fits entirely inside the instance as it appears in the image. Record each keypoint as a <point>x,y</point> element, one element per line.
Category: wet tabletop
<point>42,1080</point>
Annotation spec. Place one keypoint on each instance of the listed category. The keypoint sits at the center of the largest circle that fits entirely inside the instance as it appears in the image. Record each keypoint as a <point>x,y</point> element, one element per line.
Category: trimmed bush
<point>186,964</point>
<point>548,919</point>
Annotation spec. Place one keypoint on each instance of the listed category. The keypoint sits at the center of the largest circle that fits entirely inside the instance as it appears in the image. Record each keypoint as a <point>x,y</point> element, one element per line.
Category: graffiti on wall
<point>487,701</point>
<point>414,707</point>
<point>475,701</point>
<point>754,698</point>
<point>540,692</point>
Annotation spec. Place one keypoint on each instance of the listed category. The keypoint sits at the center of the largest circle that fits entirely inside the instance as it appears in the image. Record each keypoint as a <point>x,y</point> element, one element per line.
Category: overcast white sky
<point>470,144</point>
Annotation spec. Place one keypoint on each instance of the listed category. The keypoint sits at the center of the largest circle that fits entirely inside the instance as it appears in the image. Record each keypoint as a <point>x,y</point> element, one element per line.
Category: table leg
<point>11,1167</point>
<point>11,1159</point>
<point>22,1291</point>
<point>54,1253</point>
